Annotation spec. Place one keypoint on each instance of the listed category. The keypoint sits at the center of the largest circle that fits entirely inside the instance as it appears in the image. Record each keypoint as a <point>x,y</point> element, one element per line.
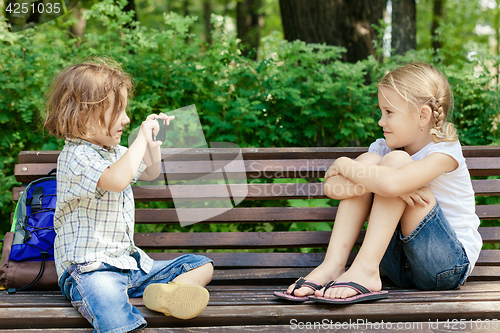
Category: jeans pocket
<point>451,278</point>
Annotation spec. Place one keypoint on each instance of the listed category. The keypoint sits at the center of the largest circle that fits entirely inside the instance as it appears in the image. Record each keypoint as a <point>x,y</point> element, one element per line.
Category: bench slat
<point>272,314</point>
<point>232,260</point>
<point>275,191</point>
<point>239,214</point>
<point>50,156</point>
<point>247,295</point>
<point>252,240</point>
<point>231,240</point>
<point>315,168</point>
<point>266,214</point>
<point>168,216</point>
<point>288,275</point>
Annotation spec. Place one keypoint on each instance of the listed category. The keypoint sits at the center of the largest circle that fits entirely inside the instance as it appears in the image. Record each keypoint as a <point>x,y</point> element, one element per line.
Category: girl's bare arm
<point>339,187</point>
<point>390,182</point>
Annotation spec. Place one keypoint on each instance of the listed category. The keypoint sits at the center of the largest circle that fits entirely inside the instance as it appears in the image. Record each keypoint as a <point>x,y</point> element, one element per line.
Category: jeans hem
<point>128,328</point>
<point>422,223</point>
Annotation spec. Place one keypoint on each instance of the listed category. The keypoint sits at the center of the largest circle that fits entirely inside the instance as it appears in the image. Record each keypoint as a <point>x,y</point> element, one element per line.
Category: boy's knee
<point>369,158</point>
<point>209,269</point>
<point>396,159</point>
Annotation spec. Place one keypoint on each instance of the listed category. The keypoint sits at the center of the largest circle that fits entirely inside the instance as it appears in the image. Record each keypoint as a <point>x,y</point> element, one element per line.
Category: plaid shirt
<point>93,224</point>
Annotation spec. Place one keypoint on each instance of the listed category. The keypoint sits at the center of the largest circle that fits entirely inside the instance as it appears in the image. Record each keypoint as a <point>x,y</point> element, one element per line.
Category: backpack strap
<point>40,273</point>
<point>35,202</point>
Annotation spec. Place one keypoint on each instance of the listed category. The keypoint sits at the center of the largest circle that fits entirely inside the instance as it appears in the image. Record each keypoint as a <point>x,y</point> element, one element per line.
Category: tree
<point>79,27</point>
<point>207,10</point>
<point>248,24</point>
<point>460,25</point>
<point>437,17</point>
<point>404,26</point>
<point>334,22</point>
<point>130,6</point>
<point>17,18</point>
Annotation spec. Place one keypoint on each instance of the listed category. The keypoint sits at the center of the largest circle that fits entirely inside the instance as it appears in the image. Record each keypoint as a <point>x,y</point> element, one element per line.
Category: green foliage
<point>298,95</point>
<point>458,26</point>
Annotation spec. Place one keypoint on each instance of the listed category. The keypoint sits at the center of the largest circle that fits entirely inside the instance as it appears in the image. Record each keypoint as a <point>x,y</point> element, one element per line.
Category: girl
<point>415,190</point>
<point>98,265</point>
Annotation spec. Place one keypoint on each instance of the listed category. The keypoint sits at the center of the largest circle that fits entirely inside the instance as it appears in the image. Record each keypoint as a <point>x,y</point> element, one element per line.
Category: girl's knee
<point>396,159</point>
<point>369,158</point>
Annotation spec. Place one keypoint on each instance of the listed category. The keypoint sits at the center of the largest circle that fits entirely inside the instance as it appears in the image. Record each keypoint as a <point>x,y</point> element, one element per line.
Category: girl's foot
<point>366,276</point>
<point>318,275</point>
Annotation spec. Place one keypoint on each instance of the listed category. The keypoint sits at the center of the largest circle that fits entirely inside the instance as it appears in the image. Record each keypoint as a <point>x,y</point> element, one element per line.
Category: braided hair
<point>422,84</point>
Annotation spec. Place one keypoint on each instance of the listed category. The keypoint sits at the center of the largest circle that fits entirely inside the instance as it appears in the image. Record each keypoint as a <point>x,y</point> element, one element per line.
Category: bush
<point>299,95</point>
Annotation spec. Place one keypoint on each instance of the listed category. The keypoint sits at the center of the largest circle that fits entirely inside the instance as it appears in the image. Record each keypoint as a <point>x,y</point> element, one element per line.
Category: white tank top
<point>453,191</point>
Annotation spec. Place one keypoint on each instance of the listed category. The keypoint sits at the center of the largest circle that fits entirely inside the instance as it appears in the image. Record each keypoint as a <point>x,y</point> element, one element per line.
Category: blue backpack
<point>33,225</point>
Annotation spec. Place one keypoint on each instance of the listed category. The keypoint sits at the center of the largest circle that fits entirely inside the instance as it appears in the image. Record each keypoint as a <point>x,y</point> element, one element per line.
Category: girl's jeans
<point>430,258</point>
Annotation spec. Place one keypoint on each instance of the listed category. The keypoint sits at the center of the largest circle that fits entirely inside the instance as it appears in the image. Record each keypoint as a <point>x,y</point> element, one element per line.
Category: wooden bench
<point>245,277</point>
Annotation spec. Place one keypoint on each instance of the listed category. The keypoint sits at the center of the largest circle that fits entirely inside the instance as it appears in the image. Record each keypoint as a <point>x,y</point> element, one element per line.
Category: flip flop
<point>364,294</point>
<point>301,282</point>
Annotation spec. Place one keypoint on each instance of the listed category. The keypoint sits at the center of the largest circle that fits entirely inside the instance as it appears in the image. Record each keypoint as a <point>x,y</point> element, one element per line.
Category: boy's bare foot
<point>319,275</point>
<point>369,277</point>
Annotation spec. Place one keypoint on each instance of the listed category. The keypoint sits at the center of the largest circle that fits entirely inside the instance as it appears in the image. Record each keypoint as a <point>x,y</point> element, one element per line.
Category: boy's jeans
<point>102,295</point>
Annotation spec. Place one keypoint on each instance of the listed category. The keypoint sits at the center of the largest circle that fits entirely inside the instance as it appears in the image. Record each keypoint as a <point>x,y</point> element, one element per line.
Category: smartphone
<point>162,133</point>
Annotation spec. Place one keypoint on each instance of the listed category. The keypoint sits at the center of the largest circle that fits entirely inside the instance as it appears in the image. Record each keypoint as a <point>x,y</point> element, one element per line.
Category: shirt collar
<point>78,141</point>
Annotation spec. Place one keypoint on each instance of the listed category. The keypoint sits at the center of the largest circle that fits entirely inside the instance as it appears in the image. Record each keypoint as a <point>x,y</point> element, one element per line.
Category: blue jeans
<point>430,258</point>
<point>102,295</point>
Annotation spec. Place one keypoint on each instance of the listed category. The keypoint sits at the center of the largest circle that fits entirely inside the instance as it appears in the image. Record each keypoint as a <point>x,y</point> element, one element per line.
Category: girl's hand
<point>331,172</point>
<point>336,168</point>
<point>417,197</point>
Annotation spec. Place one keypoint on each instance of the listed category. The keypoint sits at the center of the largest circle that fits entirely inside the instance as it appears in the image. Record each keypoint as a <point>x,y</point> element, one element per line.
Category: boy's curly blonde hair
<point>78,98</point>
<point>422,84</point>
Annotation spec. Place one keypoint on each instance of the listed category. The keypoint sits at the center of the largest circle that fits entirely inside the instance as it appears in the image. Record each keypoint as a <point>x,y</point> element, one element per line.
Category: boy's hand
<point>166,119</point>
<point>150,127</point>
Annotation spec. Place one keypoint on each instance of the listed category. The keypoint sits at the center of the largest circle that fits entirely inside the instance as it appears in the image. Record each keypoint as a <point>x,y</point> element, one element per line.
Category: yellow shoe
<point>183,301</point>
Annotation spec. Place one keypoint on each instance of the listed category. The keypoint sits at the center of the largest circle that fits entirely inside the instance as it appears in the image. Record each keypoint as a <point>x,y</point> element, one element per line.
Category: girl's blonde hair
<point>422,84</point>
<point>79,96</point>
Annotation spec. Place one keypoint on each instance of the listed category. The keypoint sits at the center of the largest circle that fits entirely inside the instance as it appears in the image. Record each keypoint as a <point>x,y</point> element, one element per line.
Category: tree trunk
<point>185,7</point>
<point>131,6</point>
<point>248,24</point>
<point>79,27</point>
<point>404,26</point>
<point>8,15</point>
<point>35,16</point>
<point>334,22</point>
<point>497,37</point>
<point>437,17</point>
<point>16,20</point>
<point>207,11</point>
